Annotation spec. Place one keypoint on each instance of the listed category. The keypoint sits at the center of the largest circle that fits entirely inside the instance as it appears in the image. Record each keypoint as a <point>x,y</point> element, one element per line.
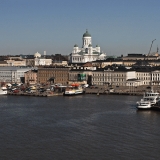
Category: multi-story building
<point>53,74</point>
<point>3,63</point>
<point>13,74</point>
<point>155,77</point>
<point>31,77</point>
<point>112,77</point>
<point>137,56</point>
<point>80,75</point>
<point>16,62</point>
<point>144,76</point>
<point>42,60</point>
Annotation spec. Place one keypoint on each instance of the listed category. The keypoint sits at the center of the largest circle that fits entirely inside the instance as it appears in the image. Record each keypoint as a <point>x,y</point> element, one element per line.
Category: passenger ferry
<point>149,99</point>
<point>74,89</point>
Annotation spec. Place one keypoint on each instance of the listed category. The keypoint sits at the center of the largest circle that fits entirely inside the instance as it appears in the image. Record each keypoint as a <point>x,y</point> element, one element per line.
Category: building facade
<point>41,60</point>
<point>16,62</point>
<point>53,75</point>
<point>111,77</point>
<point>31,77</point>
<point>80,75</point>
<point>13,74</point>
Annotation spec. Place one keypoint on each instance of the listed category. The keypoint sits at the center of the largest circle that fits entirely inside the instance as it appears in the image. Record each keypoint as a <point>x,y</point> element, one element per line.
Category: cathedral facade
<point>87,53</point>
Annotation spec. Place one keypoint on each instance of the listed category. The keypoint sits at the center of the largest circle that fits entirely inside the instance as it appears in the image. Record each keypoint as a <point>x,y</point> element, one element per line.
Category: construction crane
<point>151,47</point>
<point>148,55</point>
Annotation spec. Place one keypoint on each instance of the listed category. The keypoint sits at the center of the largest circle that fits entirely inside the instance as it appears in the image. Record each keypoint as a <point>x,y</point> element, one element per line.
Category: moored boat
<point>3,90</point>
<point>73,90</point>
<point>149,100</point>
<point>143,104</point>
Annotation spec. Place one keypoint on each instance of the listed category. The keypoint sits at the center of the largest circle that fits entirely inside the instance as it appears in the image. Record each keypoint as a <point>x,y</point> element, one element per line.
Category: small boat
<point>149,99</point>
<point>3,90</point>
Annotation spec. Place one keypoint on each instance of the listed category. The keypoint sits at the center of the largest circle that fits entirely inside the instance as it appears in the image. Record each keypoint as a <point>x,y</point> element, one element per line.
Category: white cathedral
<point>87,53</point>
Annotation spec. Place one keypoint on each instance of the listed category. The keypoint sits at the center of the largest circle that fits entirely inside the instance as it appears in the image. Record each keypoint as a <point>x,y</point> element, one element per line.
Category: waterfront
<point>79,127</point>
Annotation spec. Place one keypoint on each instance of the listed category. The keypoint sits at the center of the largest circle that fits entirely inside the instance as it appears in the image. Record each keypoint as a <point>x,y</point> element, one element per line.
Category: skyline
<point>118,27</point>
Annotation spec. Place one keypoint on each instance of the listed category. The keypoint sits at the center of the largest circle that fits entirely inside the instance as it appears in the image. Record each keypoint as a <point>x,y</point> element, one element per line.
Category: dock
<point>46,94</point>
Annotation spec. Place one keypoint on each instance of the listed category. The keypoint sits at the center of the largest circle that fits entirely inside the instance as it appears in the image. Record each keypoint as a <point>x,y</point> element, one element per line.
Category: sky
<point>119,27</point>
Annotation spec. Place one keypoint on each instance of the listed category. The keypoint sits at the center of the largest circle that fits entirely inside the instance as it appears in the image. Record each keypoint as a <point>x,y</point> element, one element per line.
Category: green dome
<point>86,34</point>
<point>75,45</point>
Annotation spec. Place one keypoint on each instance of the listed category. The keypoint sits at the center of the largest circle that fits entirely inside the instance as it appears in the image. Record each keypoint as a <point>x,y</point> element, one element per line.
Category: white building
<point>41,60</point>
<point>144,76</point>
<point>87,53</point>
<point>13,74</point>
<point>114,78</point>
<point>155,77</point>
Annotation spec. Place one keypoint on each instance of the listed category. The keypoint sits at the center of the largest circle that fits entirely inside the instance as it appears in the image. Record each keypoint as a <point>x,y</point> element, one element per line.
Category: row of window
<point>60,80</point>
<point>109,75</point>
<point>156,78</point>
<point>143,78</point>
<point>51,75</point>
<point>107,80</point>
<point>76,59</point>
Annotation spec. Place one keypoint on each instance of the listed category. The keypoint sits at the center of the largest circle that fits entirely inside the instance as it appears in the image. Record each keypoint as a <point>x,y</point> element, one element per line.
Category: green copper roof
<point>75,45</point>
<point>81,53</point>
<point>86,34</point>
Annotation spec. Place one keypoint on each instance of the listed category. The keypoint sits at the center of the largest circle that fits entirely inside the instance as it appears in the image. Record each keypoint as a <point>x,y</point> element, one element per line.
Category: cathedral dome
<point>86,34</point>
<point>37,55</point>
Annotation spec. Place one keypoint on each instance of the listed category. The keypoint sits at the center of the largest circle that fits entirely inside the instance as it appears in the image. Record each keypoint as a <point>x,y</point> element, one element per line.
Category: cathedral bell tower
<point>86,40</point>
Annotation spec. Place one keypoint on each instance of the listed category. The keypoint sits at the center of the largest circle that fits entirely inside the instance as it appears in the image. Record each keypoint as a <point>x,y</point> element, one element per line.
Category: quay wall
<point>121,90</point>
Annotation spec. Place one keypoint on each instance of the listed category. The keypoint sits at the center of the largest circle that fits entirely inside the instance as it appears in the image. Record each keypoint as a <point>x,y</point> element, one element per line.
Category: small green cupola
<point>75,45</point>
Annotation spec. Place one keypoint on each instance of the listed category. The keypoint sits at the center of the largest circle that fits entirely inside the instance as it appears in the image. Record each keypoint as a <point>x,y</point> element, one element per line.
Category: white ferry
<point>73,90</point>
<point>149,99</point>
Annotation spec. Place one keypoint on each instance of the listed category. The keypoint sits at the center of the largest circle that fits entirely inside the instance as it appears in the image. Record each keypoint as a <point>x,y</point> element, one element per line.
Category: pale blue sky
<point>117,26</point>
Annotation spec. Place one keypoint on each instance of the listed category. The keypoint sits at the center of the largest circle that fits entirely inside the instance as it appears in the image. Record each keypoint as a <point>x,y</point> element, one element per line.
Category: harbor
<point>81,127</point>
<point>49,90</point>
<point>98,91</point>
<point>150,99</point>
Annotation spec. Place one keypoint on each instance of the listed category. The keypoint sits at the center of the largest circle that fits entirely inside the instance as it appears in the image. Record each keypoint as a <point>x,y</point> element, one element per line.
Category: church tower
<point>86,40</point>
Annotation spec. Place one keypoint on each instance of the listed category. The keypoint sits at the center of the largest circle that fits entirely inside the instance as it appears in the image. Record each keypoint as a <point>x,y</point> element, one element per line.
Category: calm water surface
<point>80,127</point>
